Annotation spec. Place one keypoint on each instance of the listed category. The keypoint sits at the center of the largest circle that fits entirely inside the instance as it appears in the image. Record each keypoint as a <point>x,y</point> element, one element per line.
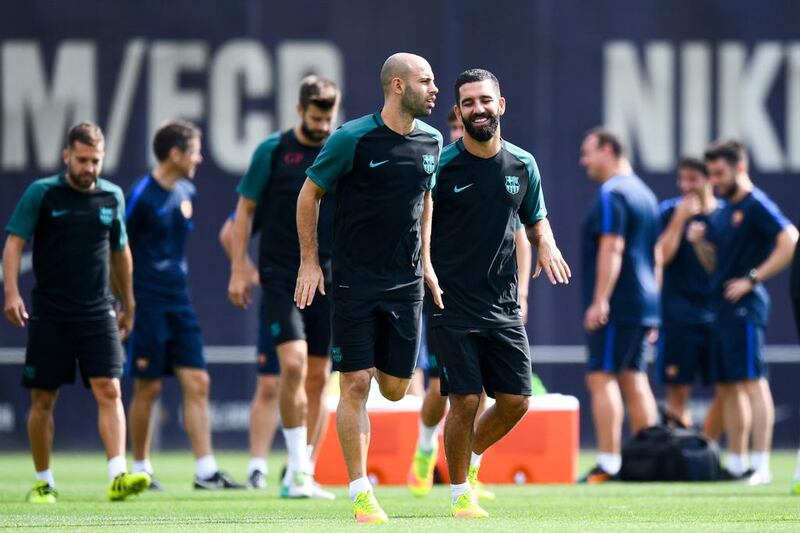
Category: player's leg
<point>606,397</point>
<point>763,419</point>
<point>506,371</point>
<point>680,348</point>
<point>146,363</point>
<point>49,362</point>
<point>354,331</point>
<point>145,394</point>
<point>184,355</point>
<point>41,429</point>
<point>677,403</point>
<point>458,352</point>
<point>633,380</point>
<point>100,359</point>
<point>712,425</point>
<point>263,422</point>
<point>732,363</point>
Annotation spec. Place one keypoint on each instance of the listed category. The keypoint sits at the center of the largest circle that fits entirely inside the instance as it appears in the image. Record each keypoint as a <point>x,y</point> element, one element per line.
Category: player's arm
<point>226,241</point>
<point>430,275</point>
<point>548,256</point>
<point>609,265</point>
<point>241,266</point>
<point>703,249</point>
<point>122,272</point>
<point>778,260</point>
<point>670,239</point>
<point>14,307</point>
<point>309,277</point>
<point>524,255</point>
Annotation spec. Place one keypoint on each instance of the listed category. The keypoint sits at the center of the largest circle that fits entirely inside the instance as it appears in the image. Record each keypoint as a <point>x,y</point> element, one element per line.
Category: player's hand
<point>523,309</point>
<point>549,259</point>
<point>125,323</point>
<point>433,284</point>
<point>309,281</point>
<point>252,274</point>
<point>15,310</point>
<point>736,288</point>
<point>688,207</point>
<point>239,288</point>
<point>696,231</point>
<point>596,316</point>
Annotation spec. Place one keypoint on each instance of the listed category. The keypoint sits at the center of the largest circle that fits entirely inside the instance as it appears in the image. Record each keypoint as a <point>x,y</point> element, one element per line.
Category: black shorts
<point>472,360</point>
<point>54,348</point>
<point>427,356</point>
<point>286,322</point>
<point>268,363</point>
<point>164,339</point>
<point>617,347</point>
<point>383,334</point>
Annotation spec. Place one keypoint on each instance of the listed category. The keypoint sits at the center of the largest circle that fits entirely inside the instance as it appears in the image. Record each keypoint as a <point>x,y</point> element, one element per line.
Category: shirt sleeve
<point>613,217</point>
<point>666,215</point>
<point>26,213</point>
<point>432,181</point>
<point>119,234</point>
<point>532,208</point>
<point>518,224</point>
<point>255,180</point>
<point>768,219</point>
<point>334,160</point>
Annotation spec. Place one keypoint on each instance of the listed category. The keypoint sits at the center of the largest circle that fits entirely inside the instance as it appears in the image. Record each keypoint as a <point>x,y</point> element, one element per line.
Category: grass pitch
<point>684,507</point>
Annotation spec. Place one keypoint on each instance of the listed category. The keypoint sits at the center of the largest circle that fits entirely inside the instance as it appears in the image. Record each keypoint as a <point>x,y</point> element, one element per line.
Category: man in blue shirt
<point>754,242</point>
<point>620,296</point>
<point>168,340</point>
<point>685,337</point>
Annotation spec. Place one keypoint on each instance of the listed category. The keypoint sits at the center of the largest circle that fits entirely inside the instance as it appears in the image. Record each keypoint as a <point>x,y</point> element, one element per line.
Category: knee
<point>464,405</point>
<point>514,407</point>
<point>293,370</point>
<point>394,390</point>
<point>315,381</point>
<point>266,390</point>
<point>197,386</point>
<point>106,390</point>
<point>147,390</point>
<point>43,401</point>
<point>355,385</point>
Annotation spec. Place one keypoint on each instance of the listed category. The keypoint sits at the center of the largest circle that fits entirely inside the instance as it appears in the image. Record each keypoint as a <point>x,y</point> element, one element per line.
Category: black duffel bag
<point>670,453</point>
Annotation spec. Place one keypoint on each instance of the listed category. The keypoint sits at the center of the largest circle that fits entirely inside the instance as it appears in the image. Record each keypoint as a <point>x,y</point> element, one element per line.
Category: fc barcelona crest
<point>106,215</point>
<point>428,163</point>
<point>512,184</point>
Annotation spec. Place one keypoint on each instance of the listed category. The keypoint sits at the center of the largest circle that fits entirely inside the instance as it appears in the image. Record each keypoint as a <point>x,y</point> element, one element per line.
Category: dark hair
<point>87,133</point>
<point>693,163</point>
<point>731,151</point>
<point>320,92</point>
<point>451,116</point>
<point>174,134</point>
<point>606,137</point>
<point>472,75</point>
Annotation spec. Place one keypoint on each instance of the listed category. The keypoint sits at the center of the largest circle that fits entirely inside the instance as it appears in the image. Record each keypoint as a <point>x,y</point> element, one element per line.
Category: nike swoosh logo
<point>458,189</point>
<point>59,212</point>
<point>373,164</point>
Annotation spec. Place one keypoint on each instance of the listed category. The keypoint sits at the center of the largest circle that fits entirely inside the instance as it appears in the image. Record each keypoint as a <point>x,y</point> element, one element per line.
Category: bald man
<point>382,166</point>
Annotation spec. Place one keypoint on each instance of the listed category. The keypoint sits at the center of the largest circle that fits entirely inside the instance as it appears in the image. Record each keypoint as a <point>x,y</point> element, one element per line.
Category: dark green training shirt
<point>380,178</point>
<point>72,232</point>
<point>476,205</point>
<point>273,180</point>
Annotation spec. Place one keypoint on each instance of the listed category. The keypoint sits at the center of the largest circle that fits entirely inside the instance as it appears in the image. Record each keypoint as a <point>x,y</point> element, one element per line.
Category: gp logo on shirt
<point>512,184</point>
<point>106,215</point>
<point>428,163</point>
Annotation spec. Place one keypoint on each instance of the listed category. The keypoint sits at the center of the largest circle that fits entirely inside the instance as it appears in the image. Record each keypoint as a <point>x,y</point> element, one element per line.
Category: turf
<point>611,507</point>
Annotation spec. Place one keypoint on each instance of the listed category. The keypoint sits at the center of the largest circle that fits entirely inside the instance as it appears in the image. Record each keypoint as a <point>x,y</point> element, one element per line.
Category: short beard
<point>732,191</point>
<point>416,107</point>
<point>311,134</point>
<point>481,133</point>
<point>77,180</point>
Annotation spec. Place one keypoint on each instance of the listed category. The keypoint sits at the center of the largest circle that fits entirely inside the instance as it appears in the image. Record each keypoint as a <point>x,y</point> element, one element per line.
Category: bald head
<point>401,65</point>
